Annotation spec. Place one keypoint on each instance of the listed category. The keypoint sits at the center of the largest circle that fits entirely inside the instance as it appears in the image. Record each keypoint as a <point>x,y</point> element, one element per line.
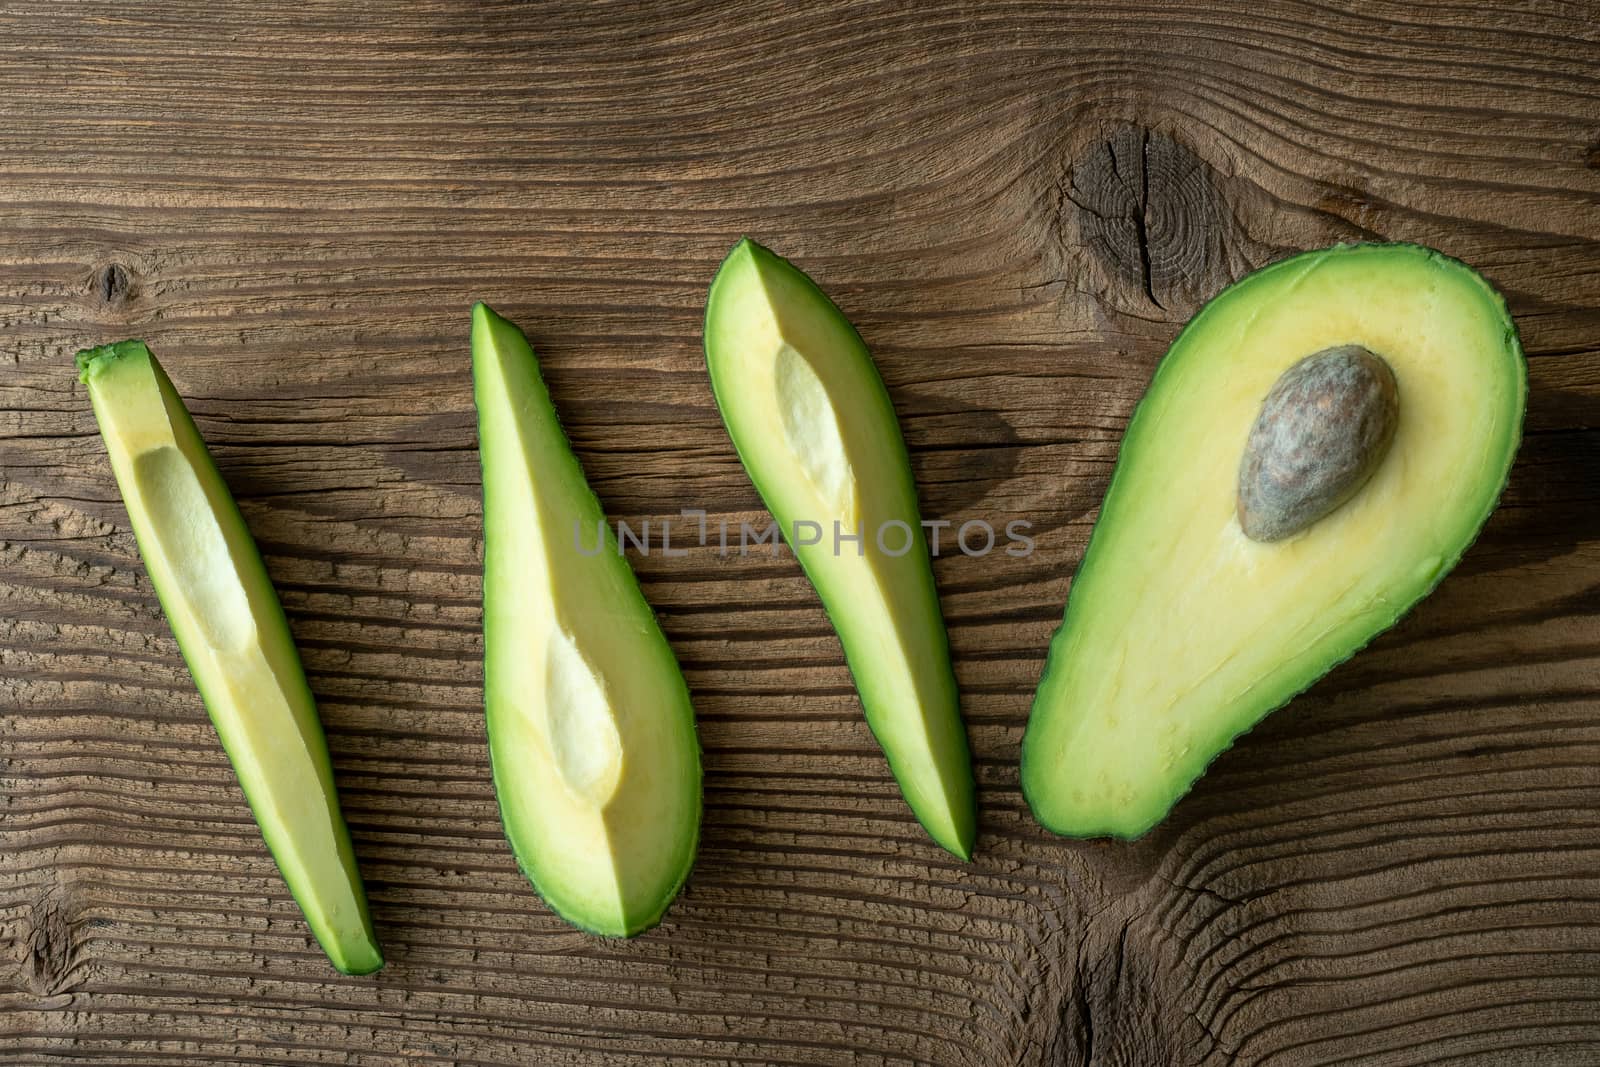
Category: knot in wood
<point>113,284</point>
<point>51,952</point>
<point>1152,212</point>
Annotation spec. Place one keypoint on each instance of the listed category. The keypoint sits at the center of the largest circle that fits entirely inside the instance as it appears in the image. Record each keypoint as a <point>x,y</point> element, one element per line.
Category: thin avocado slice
<point>1356,410</point>
<point>816,431</point>
<point>591,732</point>
<point>231,629</point>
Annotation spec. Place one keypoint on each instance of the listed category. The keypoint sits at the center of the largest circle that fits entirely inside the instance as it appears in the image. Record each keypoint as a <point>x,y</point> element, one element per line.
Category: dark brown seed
<point>1323,429</point>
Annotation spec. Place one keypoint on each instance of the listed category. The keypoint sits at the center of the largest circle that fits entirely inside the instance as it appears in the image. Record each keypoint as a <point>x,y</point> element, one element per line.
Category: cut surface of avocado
<point>231,628</point>
<point>815,429</point>
<point>591,731</point>
<point>1181,631</point>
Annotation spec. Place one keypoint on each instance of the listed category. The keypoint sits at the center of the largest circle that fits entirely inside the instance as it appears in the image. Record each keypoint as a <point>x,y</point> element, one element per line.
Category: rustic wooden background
<point>1019,204</point>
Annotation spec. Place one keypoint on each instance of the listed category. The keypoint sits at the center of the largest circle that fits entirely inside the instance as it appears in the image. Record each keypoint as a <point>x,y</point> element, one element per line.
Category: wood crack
<point>1141,218</point>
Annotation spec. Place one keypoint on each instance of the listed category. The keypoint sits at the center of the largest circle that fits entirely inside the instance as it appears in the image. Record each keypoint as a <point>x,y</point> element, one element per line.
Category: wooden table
<point>1019,204</point>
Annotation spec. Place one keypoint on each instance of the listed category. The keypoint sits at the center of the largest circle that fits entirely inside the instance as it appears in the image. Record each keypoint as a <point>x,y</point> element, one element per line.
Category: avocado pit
<point>1323,429</point>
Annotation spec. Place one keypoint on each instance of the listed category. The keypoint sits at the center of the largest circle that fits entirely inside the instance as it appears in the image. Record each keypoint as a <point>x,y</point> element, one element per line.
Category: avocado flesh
<point>817,433</point>
<point>1180,632</point>
<point>228,623</point>
<point>591,731</point>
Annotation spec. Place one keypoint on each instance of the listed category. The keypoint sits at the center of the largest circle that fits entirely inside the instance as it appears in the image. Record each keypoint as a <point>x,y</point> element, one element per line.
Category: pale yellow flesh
<point>787,377</point>
<point>214,591</point>
<point>591,732</point>
<point>1196,614</point>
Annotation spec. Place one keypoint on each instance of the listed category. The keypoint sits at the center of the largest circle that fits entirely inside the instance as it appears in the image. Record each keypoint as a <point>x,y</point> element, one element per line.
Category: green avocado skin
<point>1041,778</point>
<point>344,930</point>
<point>950,814</point>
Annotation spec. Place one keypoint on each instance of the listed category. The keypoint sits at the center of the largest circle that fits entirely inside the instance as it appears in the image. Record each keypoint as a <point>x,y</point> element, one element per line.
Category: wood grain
<point>1019,204</point>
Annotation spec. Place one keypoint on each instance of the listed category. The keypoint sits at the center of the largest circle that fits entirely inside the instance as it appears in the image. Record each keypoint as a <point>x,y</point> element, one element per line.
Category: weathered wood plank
<point>1018,204</point>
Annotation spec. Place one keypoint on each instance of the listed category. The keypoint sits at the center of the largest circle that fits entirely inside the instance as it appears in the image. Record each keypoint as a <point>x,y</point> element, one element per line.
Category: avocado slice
<point>816,431</point>
<point>591,731</point>
<point>231,629</point>
<point>1181,630</point>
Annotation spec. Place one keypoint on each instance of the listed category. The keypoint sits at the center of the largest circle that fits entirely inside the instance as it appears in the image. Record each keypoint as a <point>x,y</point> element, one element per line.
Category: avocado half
<point>591,731</point>
<point>815,429</point>
<point>1181,632</point>
<point>231,629</point>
